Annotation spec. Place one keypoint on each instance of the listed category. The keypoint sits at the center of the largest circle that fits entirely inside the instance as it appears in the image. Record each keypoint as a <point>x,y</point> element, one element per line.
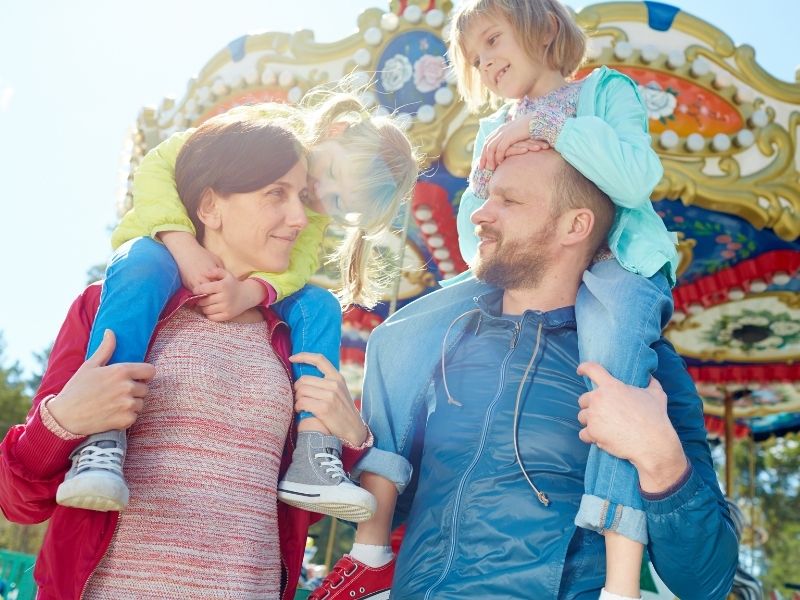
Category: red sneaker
<point>351,579</point>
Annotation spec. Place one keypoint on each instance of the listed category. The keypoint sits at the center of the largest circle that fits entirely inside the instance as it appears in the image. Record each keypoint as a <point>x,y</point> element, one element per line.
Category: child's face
<point>329,181</point>
<point>505,68</point>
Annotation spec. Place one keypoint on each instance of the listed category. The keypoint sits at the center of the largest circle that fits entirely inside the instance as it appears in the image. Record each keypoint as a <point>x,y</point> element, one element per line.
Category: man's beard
<point>519,264</point>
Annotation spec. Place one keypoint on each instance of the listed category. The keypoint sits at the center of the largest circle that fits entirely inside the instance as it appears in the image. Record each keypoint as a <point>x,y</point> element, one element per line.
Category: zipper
<point>471,467</point>
<point>94,569</point>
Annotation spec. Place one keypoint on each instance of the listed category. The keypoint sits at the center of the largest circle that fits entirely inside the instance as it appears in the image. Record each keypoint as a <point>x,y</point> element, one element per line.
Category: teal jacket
<point>608,142</point>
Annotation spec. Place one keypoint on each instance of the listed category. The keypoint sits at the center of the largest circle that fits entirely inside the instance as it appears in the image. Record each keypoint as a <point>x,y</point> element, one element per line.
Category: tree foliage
<point>770,499</point>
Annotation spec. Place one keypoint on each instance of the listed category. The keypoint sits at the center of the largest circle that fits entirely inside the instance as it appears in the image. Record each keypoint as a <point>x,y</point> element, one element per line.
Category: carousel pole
<point>728,443</point>
<point>329,545</point>
<point>401,258</point>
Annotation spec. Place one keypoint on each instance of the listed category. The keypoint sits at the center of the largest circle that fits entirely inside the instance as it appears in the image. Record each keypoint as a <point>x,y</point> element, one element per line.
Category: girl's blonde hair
<point>384,167</point>
<point>531,20</point>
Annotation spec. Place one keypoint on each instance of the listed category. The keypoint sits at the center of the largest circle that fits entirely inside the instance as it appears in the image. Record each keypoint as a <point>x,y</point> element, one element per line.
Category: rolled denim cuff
<point>546,125</point>
<point>388,465</point>
<point>479,182</point>
<point>599,514</point>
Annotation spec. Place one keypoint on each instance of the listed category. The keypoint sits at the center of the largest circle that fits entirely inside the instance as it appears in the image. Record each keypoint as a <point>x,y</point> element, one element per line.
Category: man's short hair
<point>572,190</point>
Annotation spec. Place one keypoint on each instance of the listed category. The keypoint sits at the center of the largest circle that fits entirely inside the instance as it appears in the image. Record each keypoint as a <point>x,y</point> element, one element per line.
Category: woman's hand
<point>100,397</point>
<point>196,264</point>
<point>227,297</point>
<point>328,399</point>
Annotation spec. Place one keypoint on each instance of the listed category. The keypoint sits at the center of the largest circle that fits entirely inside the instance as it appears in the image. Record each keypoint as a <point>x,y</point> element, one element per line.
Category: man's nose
<point>482,214</point>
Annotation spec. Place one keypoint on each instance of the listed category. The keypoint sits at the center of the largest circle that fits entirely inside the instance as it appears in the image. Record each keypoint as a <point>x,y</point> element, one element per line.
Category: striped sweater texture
<point>202,467</point>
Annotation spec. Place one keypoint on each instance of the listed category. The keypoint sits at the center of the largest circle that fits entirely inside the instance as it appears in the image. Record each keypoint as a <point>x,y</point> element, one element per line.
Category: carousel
<point>726,132</point>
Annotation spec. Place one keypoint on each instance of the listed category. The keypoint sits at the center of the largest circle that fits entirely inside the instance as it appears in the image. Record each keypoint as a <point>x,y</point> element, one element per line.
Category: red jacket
<point>33,462</point>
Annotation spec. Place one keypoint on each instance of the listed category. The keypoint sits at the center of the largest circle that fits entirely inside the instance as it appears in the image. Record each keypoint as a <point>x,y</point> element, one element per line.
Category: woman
<point>206,437</point>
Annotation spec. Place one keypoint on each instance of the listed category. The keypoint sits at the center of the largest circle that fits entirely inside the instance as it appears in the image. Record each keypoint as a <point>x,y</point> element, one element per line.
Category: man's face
<point>516,225</point>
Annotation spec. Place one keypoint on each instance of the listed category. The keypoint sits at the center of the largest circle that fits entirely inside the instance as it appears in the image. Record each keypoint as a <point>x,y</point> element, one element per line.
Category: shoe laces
<point>95,457</point>
<point>341,571</point>
<point>333,465</point>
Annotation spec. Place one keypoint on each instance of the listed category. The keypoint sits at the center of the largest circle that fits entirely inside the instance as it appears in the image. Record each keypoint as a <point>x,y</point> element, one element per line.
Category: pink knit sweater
<point>202,468</point>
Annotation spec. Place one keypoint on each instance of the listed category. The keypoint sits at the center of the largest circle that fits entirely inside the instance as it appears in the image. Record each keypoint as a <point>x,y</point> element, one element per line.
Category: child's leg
<point>315,480</point>
<point>140,279</point>
<point>314,317</point>
<point>620,316</point>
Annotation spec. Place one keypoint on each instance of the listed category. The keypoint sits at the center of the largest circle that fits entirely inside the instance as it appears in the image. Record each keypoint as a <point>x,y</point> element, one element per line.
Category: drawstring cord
<point>539,494</point>
<point>450,399</point>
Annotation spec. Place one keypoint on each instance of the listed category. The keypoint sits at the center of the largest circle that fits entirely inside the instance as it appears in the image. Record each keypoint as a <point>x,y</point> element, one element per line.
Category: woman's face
<point>330,183</point>
<point>257,230</point>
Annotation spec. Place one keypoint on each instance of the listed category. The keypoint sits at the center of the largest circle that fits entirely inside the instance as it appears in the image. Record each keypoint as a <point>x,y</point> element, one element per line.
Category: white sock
<point>604,595</point>
<point>372,556</point>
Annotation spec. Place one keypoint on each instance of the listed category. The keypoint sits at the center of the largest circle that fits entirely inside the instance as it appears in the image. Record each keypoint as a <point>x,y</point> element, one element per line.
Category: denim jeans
<point>143,276</point>
<point>620,315</point>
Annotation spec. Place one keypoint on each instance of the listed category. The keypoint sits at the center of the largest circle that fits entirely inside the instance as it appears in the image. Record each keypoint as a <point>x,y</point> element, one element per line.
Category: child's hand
<point>503,138</point>
<point>195,263</point>
<point>227,297</point>
<point>526,146</point>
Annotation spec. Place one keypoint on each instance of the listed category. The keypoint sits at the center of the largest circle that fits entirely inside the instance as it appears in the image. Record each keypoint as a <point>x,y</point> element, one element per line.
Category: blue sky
<point>74,76</point>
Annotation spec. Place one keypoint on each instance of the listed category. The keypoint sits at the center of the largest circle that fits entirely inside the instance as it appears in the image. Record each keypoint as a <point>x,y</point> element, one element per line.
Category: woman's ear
<point>209,210</point>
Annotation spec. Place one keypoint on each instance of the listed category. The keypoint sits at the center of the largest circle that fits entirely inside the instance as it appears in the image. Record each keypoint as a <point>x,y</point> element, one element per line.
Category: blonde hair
<point>531,21</point>
<point>384,166</point>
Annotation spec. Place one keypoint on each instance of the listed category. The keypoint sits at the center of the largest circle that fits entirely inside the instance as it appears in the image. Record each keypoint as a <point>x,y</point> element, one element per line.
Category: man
<point>488,413</point>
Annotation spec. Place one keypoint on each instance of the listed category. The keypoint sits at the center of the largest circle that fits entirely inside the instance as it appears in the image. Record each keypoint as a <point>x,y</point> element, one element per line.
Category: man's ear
<point>208,210</point>
<point>578,226</point>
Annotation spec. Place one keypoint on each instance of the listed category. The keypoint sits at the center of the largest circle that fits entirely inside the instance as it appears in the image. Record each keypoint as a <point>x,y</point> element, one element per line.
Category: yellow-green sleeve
<point>304,260</point>
<point>156,204</point>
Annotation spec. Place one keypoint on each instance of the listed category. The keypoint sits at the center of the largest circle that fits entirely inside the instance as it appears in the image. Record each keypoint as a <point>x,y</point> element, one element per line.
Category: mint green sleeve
<point>304,260</point>
<point>613,149</point>
<point>156,204</point>
<point>470,202</point>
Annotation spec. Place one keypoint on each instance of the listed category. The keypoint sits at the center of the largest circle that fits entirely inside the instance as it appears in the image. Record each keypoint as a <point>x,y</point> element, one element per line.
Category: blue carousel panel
<point>774,425</point>
<point>438,174</point>
<point>410,70</point>
<point>721,240</point>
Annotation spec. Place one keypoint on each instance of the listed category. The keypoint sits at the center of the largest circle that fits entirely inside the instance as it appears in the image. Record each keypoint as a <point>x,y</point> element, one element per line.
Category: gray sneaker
<point>95,480</point>
<point>317,482</point>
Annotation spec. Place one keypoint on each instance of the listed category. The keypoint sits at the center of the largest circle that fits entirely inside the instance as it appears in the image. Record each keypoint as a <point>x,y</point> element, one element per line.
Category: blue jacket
<point>474,527</point>
<point>609,143</point>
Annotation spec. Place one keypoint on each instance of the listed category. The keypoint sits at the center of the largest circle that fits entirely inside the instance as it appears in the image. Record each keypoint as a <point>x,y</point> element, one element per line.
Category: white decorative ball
<point>423,212</point>
<point>781,278</point>
<point>403,120</point>
<point>412,13</point>
<point>695,142</point>
<point>443,96</point>
<point>362,57</point>
<point>758,286</point>
<point>268,77</point>
<point>434,18</point>
<point>373,36</point>
<point>428,227</point>
<point>441,254</point>
<point>743,95</point>
<point>650,53</point>
<point>389,21</point>
<point>368,99</point>
<point>722,80</point>
<point>668,139</point>
<point>435,241</point>
<point>700,67</point>
<point>745,138</point>
<point>294,94</point>
<point>251,76</point>
<point>676,59</point>
<point>721,142</point>
<point>426,113</point>
<point>623,50</point>
<point>446,266</point>
<point>759,118</point>
<point>219,88</point>
<point>736,293</point>
<point>286,78</point>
